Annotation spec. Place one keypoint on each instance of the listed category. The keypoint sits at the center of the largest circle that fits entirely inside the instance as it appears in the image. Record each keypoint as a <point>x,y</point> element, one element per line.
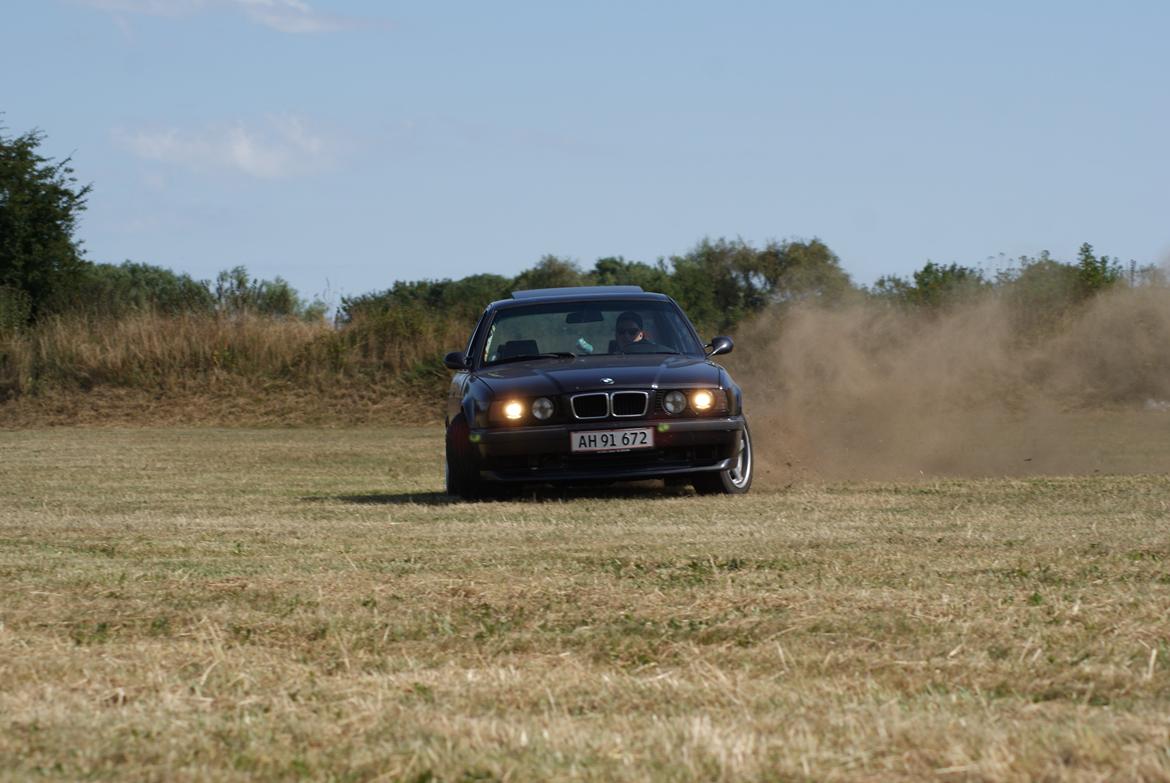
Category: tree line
<point>719,282</point>
<point>43,270</point>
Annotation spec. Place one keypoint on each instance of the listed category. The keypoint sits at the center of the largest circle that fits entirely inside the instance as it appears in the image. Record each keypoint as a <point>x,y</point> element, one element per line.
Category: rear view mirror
<point>720,345</point>
<point>584,317</point>
<point>455,361</point>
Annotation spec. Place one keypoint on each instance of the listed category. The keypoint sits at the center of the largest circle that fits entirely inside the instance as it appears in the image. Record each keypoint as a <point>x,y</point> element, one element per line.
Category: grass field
<point>284,604</point>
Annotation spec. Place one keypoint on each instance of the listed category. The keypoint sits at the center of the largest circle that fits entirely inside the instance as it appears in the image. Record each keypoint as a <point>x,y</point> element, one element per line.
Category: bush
<point>117,290</point>
<point>934,286</point>
<point>15,308</point>
<point>236,293</point>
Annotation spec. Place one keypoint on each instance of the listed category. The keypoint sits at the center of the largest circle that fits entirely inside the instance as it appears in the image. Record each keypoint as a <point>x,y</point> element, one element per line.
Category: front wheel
<point>462,473</point>
<point>737,479</point>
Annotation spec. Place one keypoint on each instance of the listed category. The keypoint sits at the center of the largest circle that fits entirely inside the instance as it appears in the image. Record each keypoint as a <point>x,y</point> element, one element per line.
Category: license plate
<point>612,440</point>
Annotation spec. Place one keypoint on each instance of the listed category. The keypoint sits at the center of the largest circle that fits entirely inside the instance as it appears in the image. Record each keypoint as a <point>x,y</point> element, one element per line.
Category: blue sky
<point>345,145</point>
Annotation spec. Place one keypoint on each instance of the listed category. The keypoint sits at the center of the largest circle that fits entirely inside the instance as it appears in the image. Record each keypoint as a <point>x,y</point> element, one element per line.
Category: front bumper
<point>542,453</point>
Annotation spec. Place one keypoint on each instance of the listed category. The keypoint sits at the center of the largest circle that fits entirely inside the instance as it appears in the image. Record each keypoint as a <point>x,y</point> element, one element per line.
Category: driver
<point>629,330</point>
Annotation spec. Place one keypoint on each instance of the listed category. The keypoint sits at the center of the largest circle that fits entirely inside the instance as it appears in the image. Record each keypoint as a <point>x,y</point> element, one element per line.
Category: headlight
<point>542,408</point>
<point>513,410</point>
<point>674,402</point>
<point>702,400</point>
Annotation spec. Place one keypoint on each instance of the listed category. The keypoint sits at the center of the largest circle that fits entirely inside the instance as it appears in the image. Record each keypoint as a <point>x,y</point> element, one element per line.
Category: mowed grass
<point>272,604</point>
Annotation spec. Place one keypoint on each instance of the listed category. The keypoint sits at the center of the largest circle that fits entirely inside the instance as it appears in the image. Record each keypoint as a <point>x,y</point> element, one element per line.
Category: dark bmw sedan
<point>592,384</point>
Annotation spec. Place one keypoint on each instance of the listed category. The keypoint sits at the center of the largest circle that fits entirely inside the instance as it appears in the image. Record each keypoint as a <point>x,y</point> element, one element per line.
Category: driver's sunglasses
<point>633,332</point>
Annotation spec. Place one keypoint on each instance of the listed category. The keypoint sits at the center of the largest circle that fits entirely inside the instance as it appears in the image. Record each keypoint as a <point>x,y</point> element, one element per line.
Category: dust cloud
<point>869,391</point>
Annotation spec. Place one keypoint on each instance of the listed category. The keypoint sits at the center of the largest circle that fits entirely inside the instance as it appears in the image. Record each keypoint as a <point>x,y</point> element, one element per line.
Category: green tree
<point>1039,292</point>
<point>615,270</point>
<point>799,271</point>
<point>463,299</point>
<point>15,308</point>
<point>718,283</point>
<point>549,272</point>
<point>116,289</point>
<point>39,205</point>
<point>466,298</point>
<point>933,286</point>
<point>721,282</point>
<point>237,293</point>
<point>1095,274</point>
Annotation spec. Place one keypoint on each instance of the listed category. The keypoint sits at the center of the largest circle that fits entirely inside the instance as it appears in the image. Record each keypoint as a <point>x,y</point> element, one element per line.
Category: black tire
<point>737,479</point>
<point>462,471</point>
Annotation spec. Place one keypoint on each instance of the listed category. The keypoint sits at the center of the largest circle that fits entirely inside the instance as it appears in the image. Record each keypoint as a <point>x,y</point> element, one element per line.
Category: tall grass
<point>155,352</point>
<point>1000,349</point>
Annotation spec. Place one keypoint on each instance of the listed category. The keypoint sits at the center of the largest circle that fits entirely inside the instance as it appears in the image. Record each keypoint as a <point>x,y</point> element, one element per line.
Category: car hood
<point>585,373</point>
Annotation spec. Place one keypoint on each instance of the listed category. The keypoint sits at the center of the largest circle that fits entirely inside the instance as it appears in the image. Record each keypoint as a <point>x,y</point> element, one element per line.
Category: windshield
<point>575,328</point>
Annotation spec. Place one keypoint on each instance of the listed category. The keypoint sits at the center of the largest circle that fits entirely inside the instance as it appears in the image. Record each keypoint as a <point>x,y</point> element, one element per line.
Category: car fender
<point>725,382</point>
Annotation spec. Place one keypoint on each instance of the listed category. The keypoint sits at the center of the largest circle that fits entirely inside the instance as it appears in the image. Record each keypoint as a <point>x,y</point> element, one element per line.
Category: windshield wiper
<point>523,357</point>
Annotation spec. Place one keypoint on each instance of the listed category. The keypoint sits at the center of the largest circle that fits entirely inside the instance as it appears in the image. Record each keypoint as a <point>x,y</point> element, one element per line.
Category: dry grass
<point>242,604</point>
<point>242,370</point>
<point>236,404</point>
<point>858,390</point>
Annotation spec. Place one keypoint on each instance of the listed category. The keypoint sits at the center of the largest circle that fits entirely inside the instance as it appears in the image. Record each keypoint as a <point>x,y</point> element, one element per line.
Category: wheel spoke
<point>741,471</point>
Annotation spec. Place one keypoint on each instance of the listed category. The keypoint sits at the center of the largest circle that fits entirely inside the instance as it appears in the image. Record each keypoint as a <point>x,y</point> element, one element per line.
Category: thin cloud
<point>168,8</point>
<point>279,148</point>
<point>286,16</point>
<point>290,16</point>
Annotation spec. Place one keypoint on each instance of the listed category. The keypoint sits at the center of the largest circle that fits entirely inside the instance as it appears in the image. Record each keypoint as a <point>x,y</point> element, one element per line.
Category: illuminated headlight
<point>674,402</point>
<point>542,408</point>
<point>513,410</point>
<point>702,400</point>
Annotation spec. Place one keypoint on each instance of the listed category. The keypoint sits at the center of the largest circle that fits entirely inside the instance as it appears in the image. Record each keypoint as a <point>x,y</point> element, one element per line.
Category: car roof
<point>581,293</point>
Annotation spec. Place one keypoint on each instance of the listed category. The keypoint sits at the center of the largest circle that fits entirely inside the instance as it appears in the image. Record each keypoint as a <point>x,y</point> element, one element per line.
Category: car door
<point>462,378</point>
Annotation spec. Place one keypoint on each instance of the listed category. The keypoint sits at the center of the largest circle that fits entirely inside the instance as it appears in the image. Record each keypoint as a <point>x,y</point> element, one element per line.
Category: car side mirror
<point>720,345</point>
<point>455,360</point>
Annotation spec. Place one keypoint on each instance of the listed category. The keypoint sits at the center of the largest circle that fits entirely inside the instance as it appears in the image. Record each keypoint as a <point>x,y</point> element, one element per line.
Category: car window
<point>588,328</point>
<point>475,333</point>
